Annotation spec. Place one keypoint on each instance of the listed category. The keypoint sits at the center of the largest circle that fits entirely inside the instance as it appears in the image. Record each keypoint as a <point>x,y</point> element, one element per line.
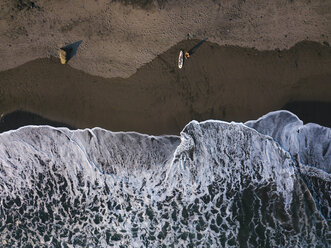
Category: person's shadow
<point>71,49</point>
<point>193,49</point>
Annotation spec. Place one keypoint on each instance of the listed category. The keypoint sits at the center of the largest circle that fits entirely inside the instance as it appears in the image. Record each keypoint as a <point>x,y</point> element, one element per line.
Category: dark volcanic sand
<point>217,82</point>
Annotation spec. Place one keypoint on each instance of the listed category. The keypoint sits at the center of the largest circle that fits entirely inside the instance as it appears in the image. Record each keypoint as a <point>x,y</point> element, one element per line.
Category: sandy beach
<point>259,57</point>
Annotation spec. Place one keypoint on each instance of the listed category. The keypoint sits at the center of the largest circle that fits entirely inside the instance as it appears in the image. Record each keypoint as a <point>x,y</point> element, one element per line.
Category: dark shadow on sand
<point>193,49</point>
<point>19,118</point>
<point>309,111</point>
<point>71,49</point>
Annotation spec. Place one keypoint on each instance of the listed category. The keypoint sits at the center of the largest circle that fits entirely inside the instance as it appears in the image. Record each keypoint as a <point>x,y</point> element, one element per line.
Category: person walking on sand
<point>182,57</point>
<point>187,55</point>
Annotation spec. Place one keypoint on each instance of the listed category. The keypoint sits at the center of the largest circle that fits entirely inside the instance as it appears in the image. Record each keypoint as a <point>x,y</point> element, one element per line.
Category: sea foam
<point>217,184</point>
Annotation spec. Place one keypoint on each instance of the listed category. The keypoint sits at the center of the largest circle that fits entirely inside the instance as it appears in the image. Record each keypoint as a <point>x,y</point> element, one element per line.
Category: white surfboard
<point>181,59</point>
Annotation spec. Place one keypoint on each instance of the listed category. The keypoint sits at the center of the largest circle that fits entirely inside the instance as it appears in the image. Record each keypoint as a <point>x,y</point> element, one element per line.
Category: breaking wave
<point>265,183</point>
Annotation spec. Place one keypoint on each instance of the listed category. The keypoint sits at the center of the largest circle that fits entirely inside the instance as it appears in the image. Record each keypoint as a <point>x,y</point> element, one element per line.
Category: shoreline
<point>307,112</point>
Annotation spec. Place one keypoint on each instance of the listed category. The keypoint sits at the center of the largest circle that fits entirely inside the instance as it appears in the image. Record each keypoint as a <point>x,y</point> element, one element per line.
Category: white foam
<point>204,187</point>
<point>310,142</point>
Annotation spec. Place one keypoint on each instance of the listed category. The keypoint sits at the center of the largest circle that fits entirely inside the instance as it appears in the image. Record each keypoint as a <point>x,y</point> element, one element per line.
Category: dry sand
<point>219,82</point>
<point>120,36</point>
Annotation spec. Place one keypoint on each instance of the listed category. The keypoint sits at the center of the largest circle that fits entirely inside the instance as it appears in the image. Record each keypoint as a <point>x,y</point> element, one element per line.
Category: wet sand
<point>218,82</point>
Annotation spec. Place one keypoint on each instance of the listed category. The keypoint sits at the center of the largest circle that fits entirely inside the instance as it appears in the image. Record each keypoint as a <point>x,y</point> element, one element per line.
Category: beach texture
<point>259,57</point>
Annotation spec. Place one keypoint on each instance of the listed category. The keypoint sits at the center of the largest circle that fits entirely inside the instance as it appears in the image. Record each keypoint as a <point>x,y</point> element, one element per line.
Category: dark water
<point>315,112</point>
<point>20,118</point>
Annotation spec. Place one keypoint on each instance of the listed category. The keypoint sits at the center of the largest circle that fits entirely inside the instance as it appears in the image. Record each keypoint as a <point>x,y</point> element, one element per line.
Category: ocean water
<point>265,183</point>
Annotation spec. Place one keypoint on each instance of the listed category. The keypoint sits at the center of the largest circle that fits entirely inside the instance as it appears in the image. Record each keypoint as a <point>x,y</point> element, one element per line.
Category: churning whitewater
<point>265,183</point>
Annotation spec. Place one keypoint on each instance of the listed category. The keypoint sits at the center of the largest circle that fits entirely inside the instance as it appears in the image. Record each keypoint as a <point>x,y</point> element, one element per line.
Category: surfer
<point>182,57</point>
<point>187,55</point>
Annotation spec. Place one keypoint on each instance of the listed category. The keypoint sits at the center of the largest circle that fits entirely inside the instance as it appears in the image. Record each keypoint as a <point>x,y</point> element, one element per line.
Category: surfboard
<point>181,59</point>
